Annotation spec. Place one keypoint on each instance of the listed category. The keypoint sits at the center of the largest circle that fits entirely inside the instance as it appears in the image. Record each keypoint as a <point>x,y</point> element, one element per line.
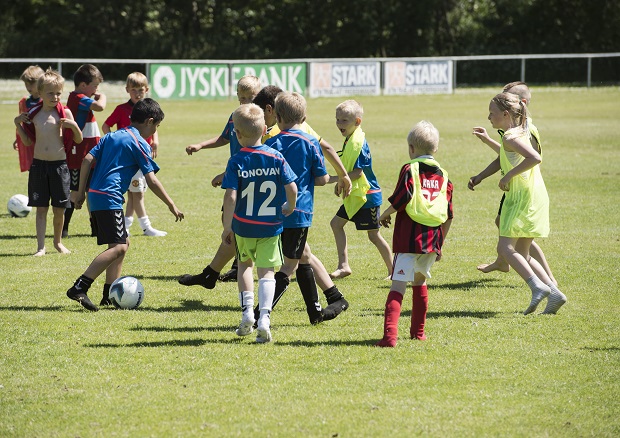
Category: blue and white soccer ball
<point>126,292</point>
<point>18,206</point>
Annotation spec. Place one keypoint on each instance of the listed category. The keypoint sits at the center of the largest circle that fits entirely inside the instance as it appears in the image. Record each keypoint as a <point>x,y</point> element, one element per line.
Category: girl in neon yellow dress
<point>525,213</point>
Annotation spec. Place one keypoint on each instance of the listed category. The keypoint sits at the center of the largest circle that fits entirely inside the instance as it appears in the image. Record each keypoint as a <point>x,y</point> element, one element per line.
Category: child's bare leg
<point>129,210</point>
<point>499,264</point>
<point>115,251</point>
<point>113,271</point>
<point>41,225</point>
<point>59,220</point>
<point>537,253</point>
<point>384,249</point>
<point>344,270</point>
<point>224,254</point>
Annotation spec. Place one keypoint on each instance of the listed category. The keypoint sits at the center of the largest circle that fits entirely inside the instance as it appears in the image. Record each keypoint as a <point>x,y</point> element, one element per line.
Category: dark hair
<point>86,73</point>
<point>267,96</point>
<point>145,109</point>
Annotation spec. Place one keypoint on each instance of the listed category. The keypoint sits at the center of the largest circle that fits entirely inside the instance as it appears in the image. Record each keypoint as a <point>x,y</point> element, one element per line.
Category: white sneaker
<point>556,300</point>
<point>537,297</point>
<point>245,327</point>
<point>150,231</point>
<point>263,333</point>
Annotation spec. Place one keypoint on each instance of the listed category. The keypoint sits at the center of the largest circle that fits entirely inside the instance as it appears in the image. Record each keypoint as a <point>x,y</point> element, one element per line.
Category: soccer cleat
<point>152,232</point>
<point>537,297</point>
<point>556,300</point>
<point>207,281</point>
<point>105,301</point>
<point>245,328</point>
<point>81,298</point>
<point>317,319</point>
<point>229,276</point>
<point>263,335</point>
<point>335,309</point>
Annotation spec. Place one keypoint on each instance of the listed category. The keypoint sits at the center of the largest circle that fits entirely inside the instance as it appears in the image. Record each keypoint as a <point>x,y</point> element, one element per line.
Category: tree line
<point>260,29</point>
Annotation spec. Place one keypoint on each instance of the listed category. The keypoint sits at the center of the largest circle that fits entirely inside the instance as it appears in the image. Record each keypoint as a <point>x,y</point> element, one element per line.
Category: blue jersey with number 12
<point>259,175</point>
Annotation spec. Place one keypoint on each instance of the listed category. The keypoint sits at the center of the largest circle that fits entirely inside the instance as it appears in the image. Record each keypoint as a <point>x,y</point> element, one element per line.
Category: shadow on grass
<point>33,237</point>
<point>33,308</point>
<point>191,306</point>
<point>154,344</point>
<point>450,314</point>
<point>159,329</point>
<point>331,342</point>
<point>606,349</point>
<point>461,286</point>
<point>21,254</point>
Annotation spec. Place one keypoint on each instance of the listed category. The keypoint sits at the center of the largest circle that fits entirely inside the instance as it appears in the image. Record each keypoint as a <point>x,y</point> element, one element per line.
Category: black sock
<point>106,291</point>
<point>233,267</point>
<point>83,283</point>
<point>332,294</point>
<point>307,286</point>
<point>68,215</point>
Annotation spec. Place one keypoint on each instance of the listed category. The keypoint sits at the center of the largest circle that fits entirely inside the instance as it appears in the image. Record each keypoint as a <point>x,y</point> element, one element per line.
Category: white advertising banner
<point>417,77</point>
<point>345,78</point>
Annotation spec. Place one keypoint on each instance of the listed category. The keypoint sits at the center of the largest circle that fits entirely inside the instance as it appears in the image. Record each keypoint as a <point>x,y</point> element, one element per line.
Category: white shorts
<point>407,264</point>
<point>138,183</point>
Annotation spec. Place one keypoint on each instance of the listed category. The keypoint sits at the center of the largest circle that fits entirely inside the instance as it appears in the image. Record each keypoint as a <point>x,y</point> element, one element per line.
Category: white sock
<point>536,285</point>
<point>246,299</point>
<point>266,291</point>
<point>128,222</point>
<point>144,222</point>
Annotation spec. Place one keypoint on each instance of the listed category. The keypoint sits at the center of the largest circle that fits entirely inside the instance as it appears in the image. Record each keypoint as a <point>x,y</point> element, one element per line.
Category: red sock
<point>392,313</point>
<point>418,312</point>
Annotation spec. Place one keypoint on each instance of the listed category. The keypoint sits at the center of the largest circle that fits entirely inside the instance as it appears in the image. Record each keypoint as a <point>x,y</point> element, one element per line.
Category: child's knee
<point>375,237</point>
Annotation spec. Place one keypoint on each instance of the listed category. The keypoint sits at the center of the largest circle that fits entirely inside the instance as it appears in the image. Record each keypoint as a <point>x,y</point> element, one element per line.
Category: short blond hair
<point>290,107</point>
<point>351,108</point>
<point>50,77</point>
<point>137,80</point>
<point>31,74</point>
<point>250,84</point>
<point>424,138</point>
<point>520,89</point>
<point>249,120</point>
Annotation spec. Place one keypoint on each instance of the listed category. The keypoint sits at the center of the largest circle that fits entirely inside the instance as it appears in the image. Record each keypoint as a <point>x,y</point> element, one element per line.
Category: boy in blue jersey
<point>118,156</point>
<point>260,192</point>
<point>247,88</point>
<point>363,204</point>
<point>303,153</point>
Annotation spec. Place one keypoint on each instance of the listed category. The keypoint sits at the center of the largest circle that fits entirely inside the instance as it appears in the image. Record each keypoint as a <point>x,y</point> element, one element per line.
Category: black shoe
<point>335,309</point>
<point>229,276</point>
<point>207,282</point>
<point>105,301</point>
<point>65,234</point>
<point>317,319</point>
<point>81,298</point>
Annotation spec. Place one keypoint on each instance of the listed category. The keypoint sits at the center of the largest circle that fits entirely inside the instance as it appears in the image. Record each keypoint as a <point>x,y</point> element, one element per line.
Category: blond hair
<point>250,84</point>
<point>351,108</point>
<point>50,77</point>
<point>520,89</point>
<point>249,120</point>
<point>424,138</point>
<point>137,80</point>
<point>290,107</point>
<point>31,74</point>
<point>516,108</point>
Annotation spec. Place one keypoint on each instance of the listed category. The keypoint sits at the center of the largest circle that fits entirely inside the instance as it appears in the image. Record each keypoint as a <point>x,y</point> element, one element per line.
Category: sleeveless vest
<point>426,207</point>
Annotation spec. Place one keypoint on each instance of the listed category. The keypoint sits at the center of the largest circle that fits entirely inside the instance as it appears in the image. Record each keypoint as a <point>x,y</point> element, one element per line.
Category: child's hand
<point>481,133</point>
<point>385,220</point>
<point>286,209</point>
<point>176,212</point>
<point>15,145</point>
<point>504,183</point>
<point>192,148</point>
<point>22,118</point>
<point>473,182</point>
<point>438,258</point>
<point>217,181</point>
<point>343,187</point>
<point>78,199</point>
<point>228,237</point>
<point>68,123</point>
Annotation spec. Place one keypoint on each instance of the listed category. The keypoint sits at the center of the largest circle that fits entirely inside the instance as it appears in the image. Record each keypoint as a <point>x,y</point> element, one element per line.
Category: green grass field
<point>175,367</point>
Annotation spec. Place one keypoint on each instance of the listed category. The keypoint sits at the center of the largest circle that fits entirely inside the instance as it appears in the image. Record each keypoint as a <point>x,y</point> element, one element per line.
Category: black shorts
<point>501,203</point>
<point>49,180</point>
<point>293,242</point>
<point>364,219</point>
<point>110,226</point>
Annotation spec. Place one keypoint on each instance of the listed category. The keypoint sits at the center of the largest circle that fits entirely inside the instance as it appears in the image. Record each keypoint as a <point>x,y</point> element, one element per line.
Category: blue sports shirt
<point>303,153</point>
<point>364,162</point>
<point>119,155</point>
<point>259,175</point>
<point>229,134</point>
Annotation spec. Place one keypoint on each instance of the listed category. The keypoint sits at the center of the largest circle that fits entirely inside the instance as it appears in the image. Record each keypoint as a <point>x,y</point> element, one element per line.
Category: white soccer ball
<point>18,206</point>
<point>126,292</point>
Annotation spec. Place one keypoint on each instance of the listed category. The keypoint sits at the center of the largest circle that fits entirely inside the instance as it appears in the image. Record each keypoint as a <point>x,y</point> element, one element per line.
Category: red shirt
<point>121,117</point>
<point>410,236</point>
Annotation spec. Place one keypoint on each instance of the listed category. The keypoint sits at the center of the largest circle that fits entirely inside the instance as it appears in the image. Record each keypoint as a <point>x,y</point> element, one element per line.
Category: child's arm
<point>217,180</point>
<point>482,134</point>
<point>321,180</point>
<point>22,118</point>
<point>343,179</point>
<point>212,143</point>
<point>106,129</point>
<point>160,192</point>
<point>155,144</point>
<point>100,102</point>
<point>491,169</point>
<point>69,122</point>
<point>291,199</point>
<point>230,200</point>
<point>445,227</point>
<point>531,158</point>
<point>386,217</point>
<point>79,197</point>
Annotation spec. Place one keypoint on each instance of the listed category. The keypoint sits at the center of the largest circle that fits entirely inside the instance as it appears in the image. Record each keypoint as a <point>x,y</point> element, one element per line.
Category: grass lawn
<point>175,367</point>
